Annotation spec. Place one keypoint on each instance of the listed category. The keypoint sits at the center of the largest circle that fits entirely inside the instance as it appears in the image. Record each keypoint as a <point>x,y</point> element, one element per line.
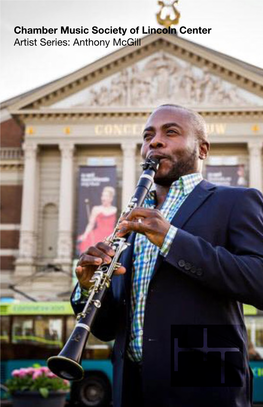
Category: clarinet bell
<point>67,364</point>
<point>65,368</point>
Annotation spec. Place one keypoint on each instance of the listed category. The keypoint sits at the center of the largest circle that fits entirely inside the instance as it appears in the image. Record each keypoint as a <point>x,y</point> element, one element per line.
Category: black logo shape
<point>206,356</point>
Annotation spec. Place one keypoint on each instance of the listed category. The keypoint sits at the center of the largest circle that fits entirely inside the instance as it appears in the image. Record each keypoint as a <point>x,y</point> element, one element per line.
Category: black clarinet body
<point>67,364</point>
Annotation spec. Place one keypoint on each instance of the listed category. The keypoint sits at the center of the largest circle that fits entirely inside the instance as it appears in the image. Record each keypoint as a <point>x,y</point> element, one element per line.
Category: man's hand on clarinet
<point>91,260</point>
<point>149,222</point>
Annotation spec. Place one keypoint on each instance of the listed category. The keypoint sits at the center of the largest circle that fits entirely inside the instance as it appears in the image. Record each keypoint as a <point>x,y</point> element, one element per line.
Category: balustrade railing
<point>11,153</point>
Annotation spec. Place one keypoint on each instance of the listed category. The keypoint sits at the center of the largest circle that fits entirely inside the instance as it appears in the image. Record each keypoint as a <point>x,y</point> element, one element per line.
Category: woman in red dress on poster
<point>101,222</point>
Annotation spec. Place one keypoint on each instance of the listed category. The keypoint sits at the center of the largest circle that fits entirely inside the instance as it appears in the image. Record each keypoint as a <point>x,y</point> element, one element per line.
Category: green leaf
<point>44,392</point>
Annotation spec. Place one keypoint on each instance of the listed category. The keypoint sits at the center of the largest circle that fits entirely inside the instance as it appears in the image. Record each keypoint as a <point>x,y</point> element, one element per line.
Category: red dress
<point>103,228</point>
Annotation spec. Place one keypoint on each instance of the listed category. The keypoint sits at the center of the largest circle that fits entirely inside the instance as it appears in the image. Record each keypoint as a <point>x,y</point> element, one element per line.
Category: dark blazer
<point>215,263</point>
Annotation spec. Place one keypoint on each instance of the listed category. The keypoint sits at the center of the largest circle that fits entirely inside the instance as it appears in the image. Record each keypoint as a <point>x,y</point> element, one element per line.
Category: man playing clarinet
<point>174,307</point>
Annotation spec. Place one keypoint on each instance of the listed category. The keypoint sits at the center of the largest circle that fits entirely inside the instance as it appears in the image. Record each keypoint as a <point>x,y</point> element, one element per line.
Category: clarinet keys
<point>97,303</point>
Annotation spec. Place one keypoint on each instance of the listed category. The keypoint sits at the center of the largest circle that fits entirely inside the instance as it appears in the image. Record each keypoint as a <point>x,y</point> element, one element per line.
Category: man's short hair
<point>197,120</point>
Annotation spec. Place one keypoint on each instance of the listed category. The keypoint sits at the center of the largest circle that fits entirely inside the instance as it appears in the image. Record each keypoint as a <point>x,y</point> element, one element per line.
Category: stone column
<point>255,164</point>
<point>65,226</point>
<point>129,171</point>
<point>27,243</point>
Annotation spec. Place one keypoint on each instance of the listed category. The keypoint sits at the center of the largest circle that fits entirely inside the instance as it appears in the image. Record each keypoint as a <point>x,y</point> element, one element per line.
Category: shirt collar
<point>188,182</point>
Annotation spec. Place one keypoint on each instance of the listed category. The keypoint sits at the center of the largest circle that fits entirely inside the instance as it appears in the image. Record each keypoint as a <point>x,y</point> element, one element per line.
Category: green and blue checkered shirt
<point>145,255</point>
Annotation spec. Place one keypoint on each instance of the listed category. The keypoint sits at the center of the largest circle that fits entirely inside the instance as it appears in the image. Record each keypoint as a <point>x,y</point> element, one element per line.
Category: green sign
<point>61,308</point>
<point>5,309</point>
<point>37,308</point>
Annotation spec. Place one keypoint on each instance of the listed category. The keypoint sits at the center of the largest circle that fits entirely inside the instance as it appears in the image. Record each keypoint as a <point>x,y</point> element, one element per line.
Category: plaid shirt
<point>145,255</point>
<point>144,258</point>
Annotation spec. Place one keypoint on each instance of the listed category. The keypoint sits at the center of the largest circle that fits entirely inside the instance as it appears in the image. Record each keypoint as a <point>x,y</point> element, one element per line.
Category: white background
<point>237,30</point>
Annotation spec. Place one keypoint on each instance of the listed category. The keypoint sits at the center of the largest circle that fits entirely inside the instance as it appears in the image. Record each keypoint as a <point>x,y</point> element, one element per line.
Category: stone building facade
<point>99,112</point>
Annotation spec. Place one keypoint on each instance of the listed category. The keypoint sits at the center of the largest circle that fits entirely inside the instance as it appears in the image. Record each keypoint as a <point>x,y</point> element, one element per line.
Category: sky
<point>237,30</point>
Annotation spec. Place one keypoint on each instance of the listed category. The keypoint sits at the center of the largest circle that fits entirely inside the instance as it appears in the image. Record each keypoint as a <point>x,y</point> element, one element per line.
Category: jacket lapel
<point>196,198</point>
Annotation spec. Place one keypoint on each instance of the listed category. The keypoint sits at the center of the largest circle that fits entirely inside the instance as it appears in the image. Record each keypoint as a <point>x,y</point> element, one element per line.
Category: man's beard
<point>184,164</point>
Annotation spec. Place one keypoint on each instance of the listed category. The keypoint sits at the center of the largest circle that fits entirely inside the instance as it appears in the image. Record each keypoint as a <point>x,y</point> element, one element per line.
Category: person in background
<point>101,222</point>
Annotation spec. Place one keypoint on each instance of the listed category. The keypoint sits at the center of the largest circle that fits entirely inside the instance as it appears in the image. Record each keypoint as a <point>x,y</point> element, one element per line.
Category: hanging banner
<point>97,211</point>
<point>227,175</point>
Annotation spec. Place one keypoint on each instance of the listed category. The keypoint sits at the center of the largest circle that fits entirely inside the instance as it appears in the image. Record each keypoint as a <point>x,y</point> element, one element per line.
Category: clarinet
<point>67,364</point>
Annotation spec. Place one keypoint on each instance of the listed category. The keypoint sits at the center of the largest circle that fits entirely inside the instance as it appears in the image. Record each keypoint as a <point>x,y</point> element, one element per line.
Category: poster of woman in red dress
<point>102,220</point>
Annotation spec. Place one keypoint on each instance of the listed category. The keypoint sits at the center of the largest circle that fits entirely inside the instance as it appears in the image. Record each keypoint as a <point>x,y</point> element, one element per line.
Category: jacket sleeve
<point>105,324</point>
<point>236,270</point>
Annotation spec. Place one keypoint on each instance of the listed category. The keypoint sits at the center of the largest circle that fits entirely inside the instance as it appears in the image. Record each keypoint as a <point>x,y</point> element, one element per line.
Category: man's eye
<point>147,136</point>
<point>170,131</point>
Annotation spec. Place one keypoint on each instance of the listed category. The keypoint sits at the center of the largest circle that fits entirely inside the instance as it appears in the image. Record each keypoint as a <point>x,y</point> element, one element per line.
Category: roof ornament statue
<point>170,18</point>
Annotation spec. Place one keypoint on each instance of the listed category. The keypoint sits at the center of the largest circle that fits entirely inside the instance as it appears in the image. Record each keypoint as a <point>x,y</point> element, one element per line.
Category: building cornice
<point>80,114</point>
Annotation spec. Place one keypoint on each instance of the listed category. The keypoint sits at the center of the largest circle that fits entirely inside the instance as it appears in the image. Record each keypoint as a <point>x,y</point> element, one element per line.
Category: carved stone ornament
<point>30,151</point>
<point>255,148</point>
<point>67,150</point>
<point>162,78</point>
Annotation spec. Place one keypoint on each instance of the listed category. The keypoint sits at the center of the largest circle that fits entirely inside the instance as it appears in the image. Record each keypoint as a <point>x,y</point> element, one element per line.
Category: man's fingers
<point>105,249</point>
<point>120,270</point>
<point>91,260</point>
<point>94,256</point>
<point>83,275</point>
<point>128,226</point>
<point>141,213</point>
<point>88,260</point>
<point>81,272</point>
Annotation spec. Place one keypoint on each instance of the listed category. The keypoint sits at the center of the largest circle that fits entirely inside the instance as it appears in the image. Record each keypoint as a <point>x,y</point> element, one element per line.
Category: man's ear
<point>204,147</point>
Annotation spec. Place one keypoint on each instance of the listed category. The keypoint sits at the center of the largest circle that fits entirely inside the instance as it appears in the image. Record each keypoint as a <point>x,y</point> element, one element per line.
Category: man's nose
<point>157,141</point>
